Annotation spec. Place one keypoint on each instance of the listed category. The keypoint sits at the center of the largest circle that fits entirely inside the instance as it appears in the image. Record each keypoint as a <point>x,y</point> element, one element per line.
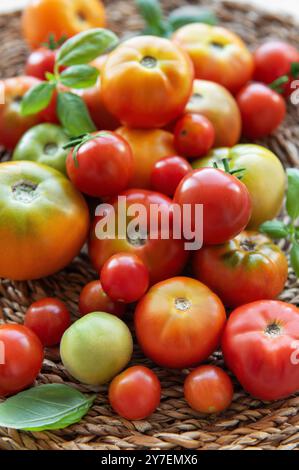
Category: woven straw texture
<point>249,423</point>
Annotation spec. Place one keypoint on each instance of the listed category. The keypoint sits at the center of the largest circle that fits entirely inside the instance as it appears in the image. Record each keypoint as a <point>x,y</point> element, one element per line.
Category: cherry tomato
<point>226,203</point>
<point>147,81</point>
<point>103,165</point>
<point>208,389</point>
<point>135,393</point>
<point>250,267</point>
<point>125,278</point>
<point>217,54</point>
<point>167,174</point>
<point>48,318</point>
<point>40,62</point>
<point>260,345</point>
<point>22,358</point>
<point>179,322</point>
<point>262,110</point>
<point>94,299</point>
<point>194,135</point>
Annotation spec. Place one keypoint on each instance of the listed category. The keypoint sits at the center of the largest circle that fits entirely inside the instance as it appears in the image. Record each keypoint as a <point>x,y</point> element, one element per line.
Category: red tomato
<point>125,278</point>
<point>22,358</point>
<point>168,173</point>
<point>135,393</point>
<point>94,299</point>
<point>208,389</point>
<point>40,62</point>
<point>48,318</point>
<point>103,165</point>
<point>194,135</point>
<point>260,346</point>
<point>179,322</point>
<point>262,110</point>
<point>226,203</point>
<point>12,124</point>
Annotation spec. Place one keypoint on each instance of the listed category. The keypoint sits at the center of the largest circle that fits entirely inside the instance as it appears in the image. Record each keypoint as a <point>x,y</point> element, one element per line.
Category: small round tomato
<point>94,299</point>
<point>48,318</point>
<point>60,18</point>
<point>135,393</point>
<point>22,358</point>
<point>208,389</point>
<point>262,110</point>
<point>148,146</point>
<point>260,346</point>
<point>102,166</point>
<point>147,81</point>
<point>168,173</point>
<point>194,135</point>
<point>250,267</point>
<point>40,62</point>
<point>179,322</point>
<point>217,54</point>
<point>125,278</point>
<point>225,199</point>
<point>12,124</point>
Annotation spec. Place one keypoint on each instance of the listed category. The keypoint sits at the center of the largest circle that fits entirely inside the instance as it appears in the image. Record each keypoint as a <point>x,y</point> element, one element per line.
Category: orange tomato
<point>147,81</point>
<point>217,54</point>
<point>60,18</point>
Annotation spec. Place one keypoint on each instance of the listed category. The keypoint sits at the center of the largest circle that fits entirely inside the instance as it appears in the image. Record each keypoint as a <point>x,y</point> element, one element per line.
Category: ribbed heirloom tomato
<point>147,81</point>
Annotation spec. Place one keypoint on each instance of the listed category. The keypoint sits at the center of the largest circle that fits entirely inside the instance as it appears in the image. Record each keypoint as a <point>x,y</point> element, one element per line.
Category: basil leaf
<point>294,256</point>
<point>86,46</point>
<point>292,203</point>
<point>191,14</point>
<point>274,228</point>
<point>295,69</point>
<point>79,76</point>
<point>73,114</point>
<point>151,12</point>
<point>51,406</point>
<point>37,98</point>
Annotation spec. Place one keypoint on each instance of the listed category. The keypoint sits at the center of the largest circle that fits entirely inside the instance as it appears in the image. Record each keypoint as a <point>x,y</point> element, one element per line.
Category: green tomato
<point>96,348</point>
<point>264,177</point>
<point>43,144</point>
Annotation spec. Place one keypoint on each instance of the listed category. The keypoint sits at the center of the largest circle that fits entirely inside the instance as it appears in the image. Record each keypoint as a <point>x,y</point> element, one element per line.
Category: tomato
<point>217,54</point>
<point>148,146</point>
<point>94,299</point>
<point>262,110</point>
<point>264,177</point>
<point>96,348</point>
<point>39,62</point>
<point>48,318</point>
<point>179,322</point>
<point>125,278</point>
<point>163,257</point>
<point>260,346</point>
<point>12,124</point>
<point>60,18</point>
<point>135,393</point>
<point>49,114</point>
<point>217,104</point>
<point>147,81</point>
<point>208,389</point>
<point>43,223</point>
<point>167,174</point>
<point>43,144</point>
<point>250,267</point>
<point>22,358</point>
<point>226,203</point>
<point>194,135</point>
<point>103,165</point>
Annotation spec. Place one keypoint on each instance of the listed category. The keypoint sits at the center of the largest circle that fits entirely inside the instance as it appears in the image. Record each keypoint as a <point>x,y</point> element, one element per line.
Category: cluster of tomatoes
<point>169,113</point>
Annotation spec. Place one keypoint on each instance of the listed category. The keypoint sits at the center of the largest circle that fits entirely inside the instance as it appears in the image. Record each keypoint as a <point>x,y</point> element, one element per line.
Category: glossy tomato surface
<point>94,299</point>
<point>39,62</point>
<point>168,173</point>
<point>194,135</point>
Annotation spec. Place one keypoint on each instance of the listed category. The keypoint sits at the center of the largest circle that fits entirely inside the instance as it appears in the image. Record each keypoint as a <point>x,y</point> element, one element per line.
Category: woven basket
<point>249,423</point>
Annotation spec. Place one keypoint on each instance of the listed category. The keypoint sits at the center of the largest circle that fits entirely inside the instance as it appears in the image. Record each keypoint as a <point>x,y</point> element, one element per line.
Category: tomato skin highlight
<point>135,393</point>
<point>94,299</point>
<point>40,62</point>
<point>194,135</point>
<point>168,173</point>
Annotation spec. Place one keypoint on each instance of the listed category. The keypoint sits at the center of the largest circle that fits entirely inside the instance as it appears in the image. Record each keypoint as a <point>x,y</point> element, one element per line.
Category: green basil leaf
<point>151,12</point>
<point>295,69</point>
<point>37,98</point>
<point>79,76</point>
<point>51,406</point>
<point>86,46</point>
<point>274,228</point>
<point>292,203</point>
<point>294,256</point>
<point>191,14</point>
<point>73,114</point>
